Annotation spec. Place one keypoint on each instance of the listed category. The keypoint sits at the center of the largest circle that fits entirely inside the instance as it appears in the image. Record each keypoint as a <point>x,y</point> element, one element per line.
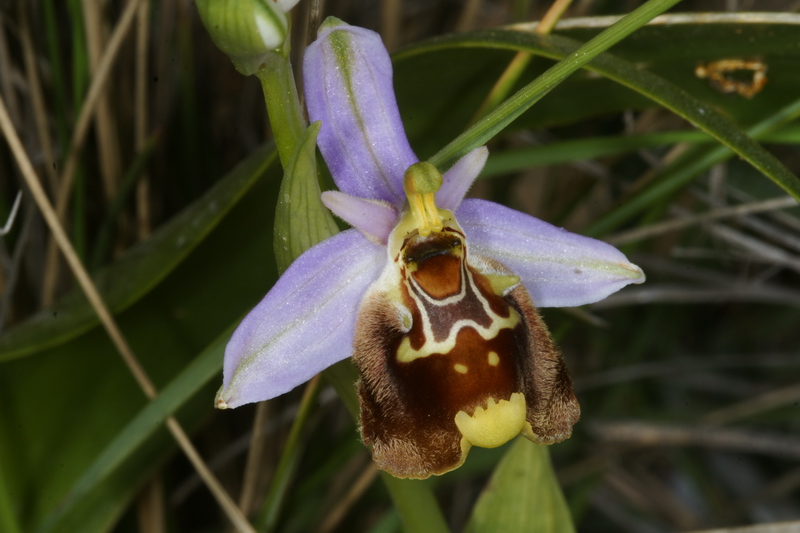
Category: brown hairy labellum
<point>452,353</point>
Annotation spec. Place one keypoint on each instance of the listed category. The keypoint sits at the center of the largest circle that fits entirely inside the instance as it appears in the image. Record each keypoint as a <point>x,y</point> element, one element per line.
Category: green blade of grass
<point>571,150</point>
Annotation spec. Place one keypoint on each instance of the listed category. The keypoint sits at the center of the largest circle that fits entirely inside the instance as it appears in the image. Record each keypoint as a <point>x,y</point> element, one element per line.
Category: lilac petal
<point>374,218</point>
<point>348,86</point>
<point>304,324</point>
<point>559,268</point>
<point>459,178</point>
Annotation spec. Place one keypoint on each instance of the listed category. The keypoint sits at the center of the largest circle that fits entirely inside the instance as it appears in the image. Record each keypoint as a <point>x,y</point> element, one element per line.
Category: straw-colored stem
<point>143,222</point>
<point>107,137</point>
<point>505,83</point>
<point>667,226</point>
<point>99,79</point>
<point>40,113</point>
<point>391,11</point>
<point>254,469</point>
<point>552,16</point>
<point>150,507</point>
<point>357,489</point>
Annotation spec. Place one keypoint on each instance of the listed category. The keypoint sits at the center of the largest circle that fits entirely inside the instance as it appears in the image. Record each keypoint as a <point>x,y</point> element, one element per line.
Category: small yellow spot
<point>461,369</point>
<point>494,359</point>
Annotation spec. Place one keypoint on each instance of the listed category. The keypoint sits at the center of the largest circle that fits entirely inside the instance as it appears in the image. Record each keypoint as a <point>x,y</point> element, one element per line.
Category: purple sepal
<point>348,86</point>
<point>304,324</point>
<point>559,268</point>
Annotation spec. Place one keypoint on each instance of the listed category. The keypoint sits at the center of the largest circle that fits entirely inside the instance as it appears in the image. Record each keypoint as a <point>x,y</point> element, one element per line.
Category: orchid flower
<point>433,295</point>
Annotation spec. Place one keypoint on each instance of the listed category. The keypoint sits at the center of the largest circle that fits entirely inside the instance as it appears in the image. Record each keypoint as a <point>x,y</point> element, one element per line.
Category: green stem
<point>520,102</point>
<point>283,106</point>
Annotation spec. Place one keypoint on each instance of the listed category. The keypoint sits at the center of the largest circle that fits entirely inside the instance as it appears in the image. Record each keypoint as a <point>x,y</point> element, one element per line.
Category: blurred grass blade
<point>206,366</point>
<point>689,165</point>
<point>523,495</point>
<point>505,113</point>
<point>104,241</point>
<point>9,522</point>
<point>301,220</point>
<point>700,114</point>
<point>130,278</point>
<point>571,150</point>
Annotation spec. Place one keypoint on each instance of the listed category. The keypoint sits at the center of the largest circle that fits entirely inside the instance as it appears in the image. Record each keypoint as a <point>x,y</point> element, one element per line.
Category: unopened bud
<point>246,30</point>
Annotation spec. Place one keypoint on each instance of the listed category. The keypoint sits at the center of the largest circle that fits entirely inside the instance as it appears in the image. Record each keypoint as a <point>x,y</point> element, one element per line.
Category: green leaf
<point>301,220</point>
<point>675,44</point>
<point>8,518</point>
<point>522,496</point>
<point>137,431</point>
<point>142,268</point>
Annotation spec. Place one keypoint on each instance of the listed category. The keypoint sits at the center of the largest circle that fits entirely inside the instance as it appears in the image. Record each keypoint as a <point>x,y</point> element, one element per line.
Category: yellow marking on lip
<point>461,369</point>
<point>406,354</point>
<point>495,425</point>
<point>494,359</point>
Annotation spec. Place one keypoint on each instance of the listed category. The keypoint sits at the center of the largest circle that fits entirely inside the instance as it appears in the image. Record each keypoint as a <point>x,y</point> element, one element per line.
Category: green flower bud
<point>246,30</point>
